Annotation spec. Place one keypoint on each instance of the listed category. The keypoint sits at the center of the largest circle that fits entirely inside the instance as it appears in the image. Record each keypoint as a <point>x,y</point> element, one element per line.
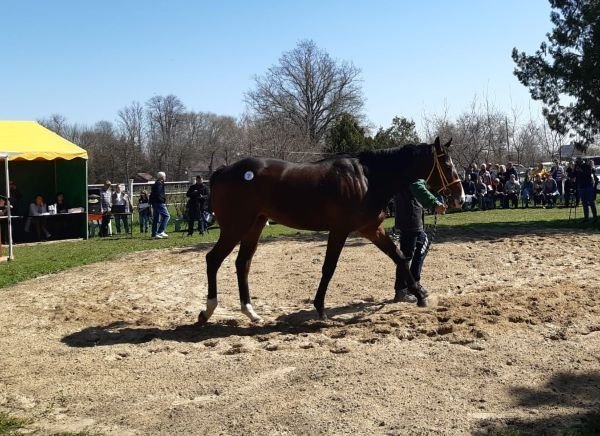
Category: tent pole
<point>87,222</point>
<point>11,255</point>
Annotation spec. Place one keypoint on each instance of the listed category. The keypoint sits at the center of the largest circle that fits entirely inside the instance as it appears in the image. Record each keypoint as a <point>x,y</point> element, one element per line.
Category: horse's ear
<point>447,144</point>
<point>437,142</point>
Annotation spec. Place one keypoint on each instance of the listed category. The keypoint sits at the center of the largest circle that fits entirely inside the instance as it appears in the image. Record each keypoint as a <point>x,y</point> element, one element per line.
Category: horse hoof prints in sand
<point>341,194</point>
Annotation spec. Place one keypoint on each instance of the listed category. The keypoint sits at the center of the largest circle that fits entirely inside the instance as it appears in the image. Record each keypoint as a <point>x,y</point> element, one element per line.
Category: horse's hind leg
<point>335,243</point>
<point>242,266</point>
<point>214,259</point>
<point>384,243</point>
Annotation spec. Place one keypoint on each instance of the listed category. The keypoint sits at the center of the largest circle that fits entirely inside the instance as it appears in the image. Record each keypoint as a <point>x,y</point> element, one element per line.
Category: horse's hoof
<point>422,302</point>
<point>322,315</point>
<point>202,319</point>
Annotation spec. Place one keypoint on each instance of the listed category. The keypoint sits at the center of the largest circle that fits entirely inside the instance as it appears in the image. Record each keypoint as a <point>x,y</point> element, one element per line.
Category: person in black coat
<point>198,196</point>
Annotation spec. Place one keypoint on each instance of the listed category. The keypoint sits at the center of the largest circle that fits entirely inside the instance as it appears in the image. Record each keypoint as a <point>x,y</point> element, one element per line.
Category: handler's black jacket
<point>198,194</point>
<point>409,212</point>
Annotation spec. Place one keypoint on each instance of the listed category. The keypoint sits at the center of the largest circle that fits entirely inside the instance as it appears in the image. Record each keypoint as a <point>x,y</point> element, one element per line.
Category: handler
<point>409,220</point>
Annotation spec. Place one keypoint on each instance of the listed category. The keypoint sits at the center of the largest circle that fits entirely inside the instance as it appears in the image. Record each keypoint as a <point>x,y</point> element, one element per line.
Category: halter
<point>437,165</point>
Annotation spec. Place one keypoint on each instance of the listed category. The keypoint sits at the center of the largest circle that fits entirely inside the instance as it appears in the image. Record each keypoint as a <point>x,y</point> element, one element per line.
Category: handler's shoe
<point>163,235</point>
<point>402,296</point>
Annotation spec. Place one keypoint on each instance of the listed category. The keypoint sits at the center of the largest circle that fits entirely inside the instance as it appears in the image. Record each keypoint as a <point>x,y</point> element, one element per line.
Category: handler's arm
<point>422,194</point>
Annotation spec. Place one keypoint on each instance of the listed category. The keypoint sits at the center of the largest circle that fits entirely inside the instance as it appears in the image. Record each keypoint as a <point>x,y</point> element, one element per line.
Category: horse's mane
<point>392,158</point>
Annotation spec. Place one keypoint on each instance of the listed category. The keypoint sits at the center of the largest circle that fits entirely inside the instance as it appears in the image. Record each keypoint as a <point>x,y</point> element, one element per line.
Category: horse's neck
<point>389,174</point>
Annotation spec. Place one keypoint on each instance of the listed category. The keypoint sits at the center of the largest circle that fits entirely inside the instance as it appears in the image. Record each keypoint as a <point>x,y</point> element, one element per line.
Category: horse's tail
<point>213,181</point>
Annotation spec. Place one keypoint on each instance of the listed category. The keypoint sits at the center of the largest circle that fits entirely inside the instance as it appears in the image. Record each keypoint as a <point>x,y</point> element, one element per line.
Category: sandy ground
<point>512,340</point>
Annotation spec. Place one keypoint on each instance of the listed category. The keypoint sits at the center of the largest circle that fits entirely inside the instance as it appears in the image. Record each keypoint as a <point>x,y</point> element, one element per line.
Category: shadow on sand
<point>578,392</point>
<point>301,321</point>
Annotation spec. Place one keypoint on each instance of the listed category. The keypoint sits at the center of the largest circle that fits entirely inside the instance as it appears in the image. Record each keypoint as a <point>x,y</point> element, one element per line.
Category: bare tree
<point>131,126</point>
<point>307,90</point>
<point>164,115</point>
<point>551,140</point>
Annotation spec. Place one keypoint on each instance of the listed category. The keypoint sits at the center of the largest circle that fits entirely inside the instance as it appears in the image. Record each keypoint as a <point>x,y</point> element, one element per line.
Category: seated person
<point>538,188</point>
<point>481,193</point>
<point>499,194</point>
<point>550,192</point>
<point>470,192</point>
<point>540,171</point>
<point>3,207</point>
<point>60,204</point>
<point>37,212</point>
<point>511,192</point>
<point>526,191</point>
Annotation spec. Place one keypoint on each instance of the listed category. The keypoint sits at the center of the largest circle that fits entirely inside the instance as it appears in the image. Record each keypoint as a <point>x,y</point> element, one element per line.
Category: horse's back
<point>303,195</point>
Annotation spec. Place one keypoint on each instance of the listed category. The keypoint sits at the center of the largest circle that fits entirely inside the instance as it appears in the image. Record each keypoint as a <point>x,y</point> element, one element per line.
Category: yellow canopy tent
<point>42,162</point>
<point>27,140</point>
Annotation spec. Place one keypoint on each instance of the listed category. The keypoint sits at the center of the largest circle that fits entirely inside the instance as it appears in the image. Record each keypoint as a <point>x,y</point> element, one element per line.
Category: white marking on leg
<point>211,305</point>
<point>250,313</point>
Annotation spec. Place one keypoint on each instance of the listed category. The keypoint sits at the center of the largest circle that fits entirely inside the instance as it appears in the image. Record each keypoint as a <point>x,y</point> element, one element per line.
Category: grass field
<point>45,258</point>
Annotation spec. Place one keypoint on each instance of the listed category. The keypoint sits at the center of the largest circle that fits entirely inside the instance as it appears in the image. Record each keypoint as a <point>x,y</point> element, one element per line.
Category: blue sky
<point>86,60</point>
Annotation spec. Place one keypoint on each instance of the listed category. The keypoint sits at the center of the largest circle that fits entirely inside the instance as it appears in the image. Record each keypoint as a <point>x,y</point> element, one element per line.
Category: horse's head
<point>443,177</point>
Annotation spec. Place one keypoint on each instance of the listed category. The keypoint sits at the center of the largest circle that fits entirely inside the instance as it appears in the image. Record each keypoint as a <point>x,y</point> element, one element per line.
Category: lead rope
<point>431,232</point>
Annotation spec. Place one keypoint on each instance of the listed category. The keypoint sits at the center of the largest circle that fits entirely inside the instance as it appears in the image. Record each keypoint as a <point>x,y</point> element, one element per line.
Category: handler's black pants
<point>413,246</point>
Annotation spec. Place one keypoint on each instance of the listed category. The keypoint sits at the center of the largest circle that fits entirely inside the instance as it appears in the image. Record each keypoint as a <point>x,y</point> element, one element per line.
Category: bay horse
<point>340,194</point>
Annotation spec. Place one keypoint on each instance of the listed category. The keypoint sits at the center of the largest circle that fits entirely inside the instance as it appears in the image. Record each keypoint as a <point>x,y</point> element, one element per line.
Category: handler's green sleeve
<point>422,194</point>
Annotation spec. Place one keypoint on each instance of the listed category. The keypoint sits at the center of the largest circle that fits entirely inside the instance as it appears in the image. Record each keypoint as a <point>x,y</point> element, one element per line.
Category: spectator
<point>160,213</point>
<point>570,170</point>
<point>15,198</point>
<point>470,191</point>
<point>502,175</point>
<point>550,191</point>
<point>540,170</point>
<point>585,187</point>
<point>121,208</point>
<point>481,193</point>
<point>483,172</point>
<point>144,210</point>
<point>37,212</point>
<point>526,191</point>
<point>499,194</point>
<point>557,173</point>
<point>594,176</point>
<point>570,192</point>
<point>3,207</point>
<point>494,169</point>
<point>105,207</point>
<point>510,169</point>
<point>474,173</point>
<point>538,190</point>
<point>60,204</point>
<point>511,192</point>
<point>198,195</point>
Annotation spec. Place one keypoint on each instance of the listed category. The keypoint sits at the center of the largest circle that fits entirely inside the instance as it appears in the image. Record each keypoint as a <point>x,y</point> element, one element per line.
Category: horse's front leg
<point>403,275</point>
<point>335,243</point>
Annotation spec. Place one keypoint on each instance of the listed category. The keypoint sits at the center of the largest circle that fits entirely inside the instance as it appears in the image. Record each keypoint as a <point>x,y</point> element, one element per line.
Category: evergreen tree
<point>346,136</point>
<point>402,131</point>
<point>564,74</point>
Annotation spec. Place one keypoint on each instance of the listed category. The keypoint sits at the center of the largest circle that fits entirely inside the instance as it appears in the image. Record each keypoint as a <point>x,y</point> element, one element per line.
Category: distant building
<point>143,178</point>
<point>567,151</point>
<point>199,169</point>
